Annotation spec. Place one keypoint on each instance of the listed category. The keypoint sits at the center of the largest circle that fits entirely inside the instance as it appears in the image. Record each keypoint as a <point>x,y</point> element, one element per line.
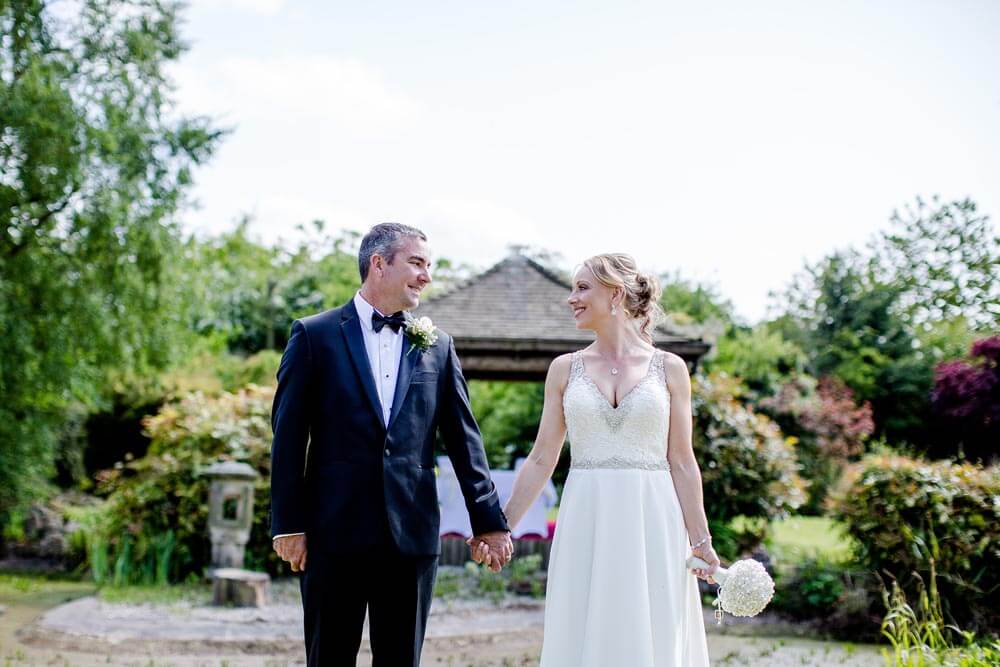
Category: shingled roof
<point>510,321</point>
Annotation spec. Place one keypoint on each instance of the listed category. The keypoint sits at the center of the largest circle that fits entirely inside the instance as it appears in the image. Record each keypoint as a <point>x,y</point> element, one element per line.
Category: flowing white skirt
<point>618,592</point>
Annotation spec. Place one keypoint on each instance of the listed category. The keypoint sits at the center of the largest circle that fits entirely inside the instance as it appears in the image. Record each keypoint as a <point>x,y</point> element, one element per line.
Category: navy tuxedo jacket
<point>337,472</point>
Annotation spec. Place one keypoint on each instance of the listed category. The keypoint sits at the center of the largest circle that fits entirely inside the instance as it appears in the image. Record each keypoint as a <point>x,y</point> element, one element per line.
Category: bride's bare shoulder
<point>676,371</point>
<point>562,363</point>
<point>559,370</point>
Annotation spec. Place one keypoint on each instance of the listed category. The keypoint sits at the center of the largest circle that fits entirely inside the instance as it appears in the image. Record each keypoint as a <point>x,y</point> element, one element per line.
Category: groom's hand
<point>292,548</point>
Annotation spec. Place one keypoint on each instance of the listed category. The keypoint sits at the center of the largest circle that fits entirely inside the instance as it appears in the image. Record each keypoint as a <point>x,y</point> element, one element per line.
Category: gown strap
<point>576,366</point>
<point>658,368</point>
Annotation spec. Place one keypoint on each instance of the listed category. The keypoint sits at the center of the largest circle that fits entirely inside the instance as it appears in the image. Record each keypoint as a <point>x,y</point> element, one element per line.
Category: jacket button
<point>387,451</point>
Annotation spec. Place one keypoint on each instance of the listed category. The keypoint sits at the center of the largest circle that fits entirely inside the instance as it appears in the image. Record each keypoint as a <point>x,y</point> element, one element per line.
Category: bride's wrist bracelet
<point>707,538</point>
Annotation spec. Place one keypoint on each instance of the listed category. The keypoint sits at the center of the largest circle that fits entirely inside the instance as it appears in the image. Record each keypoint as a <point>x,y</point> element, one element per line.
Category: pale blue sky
<point>730,140</point>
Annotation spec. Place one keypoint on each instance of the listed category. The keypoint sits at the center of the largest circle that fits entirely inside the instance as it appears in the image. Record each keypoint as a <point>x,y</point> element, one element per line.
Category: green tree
<point>508,414</point>
<point>688,301</point>
<point>94,164</point>
<point>762,358</point>
<point>882,319</point>
<point>945,259</point>
<point>250,292</point>
<point>852,323</point>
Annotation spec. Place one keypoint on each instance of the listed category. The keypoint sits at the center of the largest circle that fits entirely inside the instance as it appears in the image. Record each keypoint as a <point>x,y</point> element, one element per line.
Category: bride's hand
<point>707,554</point>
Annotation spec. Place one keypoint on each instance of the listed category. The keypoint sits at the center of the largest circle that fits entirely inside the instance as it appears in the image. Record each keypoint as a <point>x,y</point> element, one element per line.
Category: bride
<point>632,510</point>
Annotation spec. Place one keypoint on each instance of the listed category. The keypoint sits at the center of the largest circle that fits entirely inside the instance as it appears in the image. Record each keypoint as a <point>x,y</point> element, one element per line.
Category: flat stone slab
<point>115,623</point>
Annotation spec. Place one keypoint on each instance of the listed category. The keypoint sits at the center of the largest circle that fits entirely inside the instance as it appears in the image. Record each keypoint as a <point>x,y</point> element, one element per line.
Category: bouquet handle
<point>695,563</point>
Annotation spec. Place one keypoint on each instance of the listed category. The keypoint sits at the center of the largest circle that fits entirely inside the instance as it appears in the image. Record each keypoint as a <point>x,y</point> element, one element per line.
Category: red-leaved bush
<point>966,400</point>
<point>840,425</point>
<point>828,426</point>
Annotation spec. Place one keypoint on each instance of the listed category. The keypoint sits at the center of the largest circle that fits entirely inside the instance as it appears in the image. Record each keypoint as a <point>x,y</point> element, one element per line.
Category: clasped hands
<point>491,549</point>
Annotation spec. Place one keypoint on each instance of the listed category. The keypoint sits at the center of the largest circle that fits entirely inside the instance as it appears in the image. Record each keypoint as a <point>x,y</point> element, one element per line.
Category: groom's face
<point>402,281</point>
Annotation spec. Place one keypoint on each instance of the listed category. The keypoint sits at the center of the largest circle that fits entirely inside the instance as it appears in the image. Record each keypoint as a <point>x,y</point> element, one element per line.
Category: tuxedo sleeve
<point>290,424</point>
<point>464,444</point>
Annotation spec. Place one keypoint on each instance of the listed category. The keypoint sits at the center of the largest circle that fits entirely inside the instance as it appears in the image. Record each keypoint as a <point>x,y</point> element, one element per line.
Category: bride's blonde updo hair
<point>642,290</point>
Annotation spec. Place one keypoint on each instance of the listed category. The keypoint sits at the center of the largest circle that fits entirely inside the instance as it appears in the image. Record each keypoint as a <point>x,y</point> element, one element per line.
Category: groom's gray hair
<point>384,239</point>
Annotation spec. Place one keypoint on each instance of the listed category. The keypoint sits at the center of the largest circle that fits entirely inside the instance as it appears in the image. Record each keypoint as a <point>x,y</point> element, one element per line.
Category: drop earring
<point>614,311</point>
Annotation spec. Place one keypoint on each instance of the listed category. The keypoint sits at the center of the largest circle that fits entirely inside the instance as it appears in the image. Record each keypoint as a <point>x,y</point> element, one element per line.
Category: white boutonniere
<point>421,332</point>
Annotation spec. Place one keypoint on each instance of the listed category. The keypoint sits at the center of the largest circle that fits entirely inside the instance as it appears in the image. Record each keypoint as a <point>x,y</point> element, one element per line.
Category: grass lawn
<point>194,593</point>
<point>799,537</point>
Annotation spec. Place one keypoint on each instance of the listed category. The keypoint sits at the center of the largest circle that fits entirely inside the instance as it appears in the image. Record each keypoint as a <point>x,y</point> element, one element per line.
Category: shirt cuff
<point>285,535</point>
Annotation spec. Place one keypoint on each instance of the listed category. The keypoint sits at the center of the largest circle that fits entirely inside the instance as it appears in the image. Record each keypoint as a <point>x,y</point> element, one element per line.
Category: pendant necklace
<point>614,368</point>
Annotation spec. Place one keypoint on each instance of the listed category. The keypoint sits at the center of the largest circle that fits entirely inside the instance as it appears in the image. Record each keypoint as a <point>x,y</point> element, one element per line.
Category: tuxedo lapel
<point>350,325</point>
<point>407,363</point>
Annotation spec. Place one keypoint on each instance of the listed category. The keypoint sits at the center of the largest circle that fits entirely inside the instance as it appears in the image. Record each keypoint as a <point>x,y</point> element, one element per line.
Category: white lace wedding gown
<point>618,590</point>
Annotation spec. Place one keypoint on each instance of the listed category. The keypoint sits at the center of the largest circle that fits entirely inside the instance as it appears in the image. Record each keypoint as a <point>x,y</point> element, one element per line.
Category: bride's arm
<point>683,464</point>
<point>544,456</point>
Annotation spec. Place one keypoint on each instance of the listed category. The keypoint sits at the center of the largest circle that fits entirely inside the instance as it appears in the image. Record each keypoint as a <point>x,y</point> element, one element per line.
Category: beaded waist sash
<point>619,463</point>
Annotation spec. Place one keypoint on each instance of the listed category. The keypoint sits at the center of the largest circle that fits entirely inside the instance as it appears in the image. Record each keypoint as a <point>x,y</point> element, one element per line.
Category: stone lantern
<point>230,513</point>
<point>230,518</point>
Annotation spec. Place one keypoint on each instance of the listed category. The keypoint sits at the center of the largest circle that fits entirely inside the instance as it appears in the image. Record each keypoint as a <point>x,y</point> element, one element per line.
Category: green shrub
<point>259,369</point>
<point>811,591</point>
<point>152,527</point>
<point>838,601</point>
<point>527,576</point>
<point>523,576</point>
<point>747,466</point>
<point>906,513</point>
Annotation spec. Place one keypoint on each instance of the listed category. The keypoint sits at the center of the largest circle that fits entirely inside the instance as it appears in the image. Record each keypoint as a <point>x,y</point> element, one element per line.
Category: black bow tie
<point>394,321</point>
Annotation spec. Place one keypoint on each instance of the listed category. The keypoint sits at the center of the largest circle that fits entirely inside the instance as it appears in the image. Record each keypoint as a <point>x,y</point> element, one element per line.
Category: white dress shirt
<point>384,351</point>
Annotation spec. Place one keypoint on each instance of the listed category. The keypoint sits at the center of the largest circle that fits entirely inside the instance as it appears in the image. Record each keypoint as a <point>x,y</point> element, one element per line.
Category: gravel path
<point>88,632</point>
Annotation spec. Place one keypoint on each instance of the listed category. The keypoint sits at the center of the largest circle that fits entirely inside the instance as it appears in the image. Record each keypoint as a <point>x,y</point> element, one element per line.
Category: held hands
<point>492,549</point>
<point>707,554</point>
<point>292,548</point>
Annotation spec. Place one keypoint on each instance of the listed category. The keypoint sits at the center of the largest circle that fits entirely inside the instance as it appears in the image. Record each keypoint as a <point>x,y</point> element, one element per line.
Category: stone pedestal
<point>233,587</point>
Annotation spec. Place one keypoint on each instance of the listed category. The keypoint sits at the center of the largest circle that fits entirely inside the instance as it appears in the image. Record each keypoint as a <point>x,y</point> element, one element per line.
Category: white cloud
<point>475,231</point>
<point>263,7</point>
<point>718,142</point>
<point>334,94</point>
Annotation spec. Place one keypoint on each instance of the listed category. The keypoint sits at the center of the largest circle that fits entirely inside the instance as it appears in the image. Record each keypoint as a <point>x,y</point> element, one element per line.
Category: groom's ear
<point>376,264</point>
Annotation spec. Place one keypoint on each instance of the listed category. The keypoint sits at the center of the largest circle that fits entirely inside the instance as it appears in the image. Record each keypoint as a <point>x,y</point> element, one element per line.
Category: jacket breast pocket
<point>420,377</point>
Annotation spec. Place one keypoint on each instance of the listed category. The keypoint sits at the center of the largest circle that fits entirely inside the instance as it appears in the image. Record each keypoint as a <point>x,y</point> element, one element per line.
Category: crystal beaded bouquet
<point>745,587</point>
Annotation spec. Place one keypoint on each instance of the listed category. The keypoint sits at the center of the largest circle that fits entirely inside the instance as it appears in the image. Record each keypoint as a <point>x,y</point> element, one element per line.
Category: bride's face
<point>589,300</point>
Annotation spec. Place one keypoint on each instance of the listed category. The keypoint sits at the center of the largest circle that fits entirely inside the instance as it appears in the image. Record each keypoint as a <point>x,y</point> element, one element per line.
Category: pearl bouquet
<point>745,587</point>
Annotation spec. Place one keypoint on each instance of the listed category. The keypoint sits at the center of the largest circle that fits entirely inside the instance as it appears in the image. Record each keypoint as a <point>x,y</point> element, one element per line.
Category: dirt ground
<point>459,634</point>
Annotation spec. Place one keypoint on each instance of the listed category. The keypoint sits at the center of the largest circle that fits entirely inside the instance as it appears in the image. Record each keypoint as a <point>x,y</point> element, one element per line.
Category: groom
<point>360,397</point>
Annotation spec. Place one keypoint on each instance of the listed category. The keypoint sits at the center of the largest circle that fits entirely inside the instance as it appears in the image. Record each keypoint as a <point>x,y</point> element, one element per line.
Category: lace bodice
<point>633,435</point>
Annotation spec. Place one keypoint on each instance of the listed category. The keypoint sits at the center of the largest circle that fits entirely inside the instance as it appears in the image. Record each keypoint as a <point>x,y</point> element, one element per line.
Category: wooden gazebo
<point>511,321</point>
